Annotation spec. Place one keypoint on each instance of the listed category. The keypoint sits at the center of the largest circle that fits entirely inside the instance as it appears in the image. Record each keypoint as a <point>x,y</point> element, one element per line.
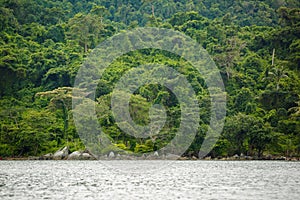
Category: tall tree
<point>86,28</point>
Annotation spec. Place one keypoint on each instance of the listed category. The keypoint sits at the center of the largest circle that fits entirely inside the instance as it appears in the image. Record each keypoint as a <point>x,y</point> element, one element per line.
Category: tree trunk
<point>153,11</point>
<point>273,56</point>
<point>85,47</point>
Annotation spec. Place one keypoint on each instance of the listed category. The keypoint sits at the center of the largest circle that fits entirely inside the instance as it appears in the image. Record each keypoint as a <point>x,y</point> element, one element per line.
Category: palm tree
<point>276,74</point>
<point>296,110</point>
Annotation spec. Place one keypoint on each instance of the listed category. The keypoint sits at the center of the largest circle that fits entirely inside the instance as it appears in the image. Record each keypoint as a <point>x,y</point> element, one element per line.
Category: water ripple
<point>180,180</point>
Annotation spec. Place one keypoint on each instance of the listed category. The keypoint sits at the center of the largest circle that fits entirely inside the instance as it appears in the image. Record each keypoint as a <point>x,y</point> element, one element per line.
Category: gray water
<point>149,180</point>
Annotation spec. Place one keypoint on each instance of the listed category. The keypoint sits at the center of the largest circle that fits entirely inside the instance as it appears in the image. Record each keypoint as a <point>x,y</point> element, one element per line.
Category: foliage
<point>44,43</point>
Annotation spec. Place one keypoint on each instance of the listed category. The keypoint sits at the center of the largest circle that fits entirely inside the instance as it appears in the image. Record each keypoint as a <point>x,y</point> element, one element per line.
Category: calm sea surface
<point>149,180</point>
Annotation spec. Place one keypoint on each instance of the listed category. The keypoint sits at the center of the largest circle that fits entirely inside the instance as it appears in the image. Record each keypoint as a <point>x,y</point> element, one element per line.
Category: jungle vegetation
<point>255,44</point>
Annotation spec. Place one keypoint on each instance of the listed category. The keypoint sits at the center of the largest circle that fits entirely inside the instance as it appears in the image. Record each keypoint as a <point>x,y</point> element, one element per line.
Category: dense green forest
<point>255,44</point>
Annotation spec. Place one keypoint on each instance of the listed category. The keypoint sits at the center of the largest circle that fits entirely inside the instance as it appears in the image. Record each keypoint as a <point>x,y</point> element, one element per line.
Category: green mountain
<point>255,45</point>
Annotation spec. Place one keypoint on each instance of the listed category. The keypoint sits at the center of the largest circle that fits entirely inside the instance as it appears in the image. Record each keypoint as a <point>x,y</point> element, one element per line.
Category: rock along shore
<point>65,154</point>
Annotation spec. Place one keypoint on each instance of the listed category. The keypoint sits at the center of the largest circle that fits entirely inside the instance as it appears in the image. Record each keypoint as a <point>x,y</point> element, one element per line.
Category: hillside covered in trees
<point>255,44</point>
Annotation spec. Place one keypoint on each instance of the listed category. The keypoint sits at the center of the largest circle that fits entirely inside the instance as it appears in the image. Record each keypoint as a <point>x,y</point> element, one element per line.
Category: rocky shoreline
<point>64,154</point>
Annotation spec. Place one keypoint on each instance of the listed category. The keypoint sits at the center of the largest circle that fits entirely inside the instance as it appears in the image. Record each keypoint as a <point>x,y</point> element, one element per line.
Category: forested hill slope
<point>44,43</point>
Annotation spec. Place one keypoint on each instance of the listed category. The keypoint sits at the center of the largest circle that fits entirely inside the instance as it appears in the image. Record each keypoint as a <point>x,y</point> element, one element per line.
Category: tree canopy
<point>255,45</point>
